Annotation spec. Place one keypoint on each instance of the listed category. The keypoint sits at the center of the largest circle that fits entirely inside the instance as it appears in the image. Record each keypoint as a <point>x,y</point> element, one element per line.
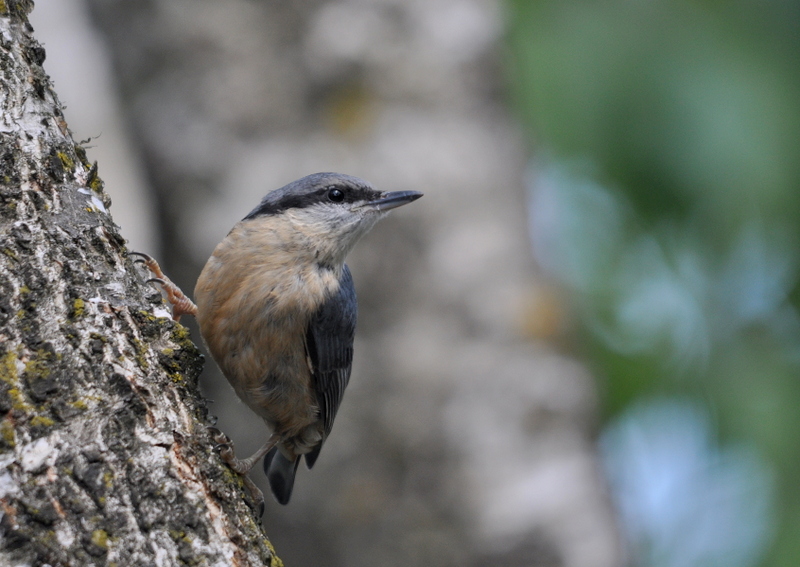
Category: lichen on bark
<point>104,457</point>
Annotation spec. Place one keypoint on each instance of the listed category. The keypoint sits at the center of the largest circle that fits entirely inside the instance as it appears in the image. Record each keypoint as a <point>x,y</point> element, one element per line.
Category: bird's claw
<point>144,257</point>
<point>181,304</point>
<point>228,455</point>
<point>218,435</point>
<point>224,448</point>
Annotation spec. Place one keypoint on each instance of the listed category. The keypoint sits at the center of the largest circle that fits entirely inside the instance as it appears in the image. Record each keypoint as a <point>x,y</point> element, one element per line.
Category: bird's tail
<point>280,473</point>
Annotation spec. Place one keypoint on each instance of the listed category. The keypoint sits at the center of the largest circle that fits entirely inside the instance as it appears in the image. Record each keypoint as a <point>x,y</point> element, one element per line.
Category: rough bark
<point>104,457</point>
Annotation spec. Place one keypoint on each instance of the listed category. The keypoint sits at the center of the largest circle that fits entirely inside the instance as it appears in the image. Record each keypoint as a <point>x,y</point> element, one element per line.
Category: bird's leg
<point>225,449</point>
<point>181,304</point>
<point>256,495</point>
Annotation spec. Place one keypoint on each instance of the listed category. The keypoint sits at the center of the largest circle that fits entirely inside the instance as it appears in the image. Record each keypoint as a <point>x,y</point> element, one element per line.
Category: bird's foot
<point>181,304</point>
<point>226,452</point>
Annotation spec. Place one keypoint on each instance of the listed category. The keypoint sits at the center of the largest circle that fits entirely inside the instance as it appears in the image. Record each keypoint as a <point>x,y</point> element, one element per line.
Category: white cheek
<point>330,229</point>
<point>311,220</point>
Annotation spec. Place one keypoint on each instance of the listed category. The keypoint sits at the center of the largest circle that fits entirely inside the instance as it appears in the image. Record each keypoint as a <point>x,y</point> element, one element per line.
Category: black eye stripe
<point>349,194</point>
<point>327,194</point>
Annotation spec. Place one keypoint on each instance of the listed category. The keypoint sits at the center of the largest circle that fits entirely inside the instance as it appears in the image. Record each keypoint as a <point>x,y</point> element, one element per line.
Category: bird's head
<point>331,211</point>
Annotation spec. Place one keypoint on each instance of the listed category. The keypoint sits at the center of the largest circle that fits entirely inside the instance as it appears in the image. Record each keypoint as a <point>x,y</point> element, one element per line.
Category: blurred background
<point>581,348</point>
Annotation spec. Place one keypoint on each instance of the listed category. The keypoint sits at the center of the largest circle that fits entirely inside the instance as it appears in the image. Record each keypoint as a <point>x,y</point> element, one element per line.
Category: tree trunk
<point>104,457</point>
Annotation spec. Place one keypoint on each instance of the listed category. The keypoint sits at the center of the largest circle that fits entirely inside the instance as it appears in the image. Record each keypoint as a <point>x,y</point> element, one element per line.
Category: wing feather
<point>329,342</point>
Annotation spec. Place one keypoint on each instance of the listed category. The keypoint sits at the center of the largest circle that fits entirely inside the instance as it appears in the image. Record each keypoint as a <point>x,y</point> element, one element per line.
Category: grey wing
<point>329,341</point>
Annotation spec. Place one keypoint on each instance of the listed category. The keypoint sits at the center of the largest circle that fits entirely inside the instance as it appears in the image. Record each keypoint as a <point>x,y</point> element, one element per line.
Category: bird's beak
<point>393,199</point>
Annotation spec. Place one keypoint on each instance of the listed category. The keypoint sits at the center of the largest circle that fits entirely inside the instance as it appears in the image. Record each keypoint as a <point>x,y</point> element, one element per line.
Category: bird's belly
<point>273,378</point>
<point>254,320</point>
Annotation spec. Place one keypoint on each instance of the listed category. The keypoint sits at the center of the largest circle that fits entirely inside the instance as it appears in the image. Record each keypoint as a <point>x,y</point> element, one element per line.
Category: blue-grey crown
<point>313,189</point>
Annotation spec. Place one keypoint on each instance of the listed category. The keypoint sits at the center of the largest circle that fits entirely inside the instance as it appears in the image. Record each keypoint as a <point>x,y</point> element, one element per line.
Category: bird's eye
<point>335,195</point>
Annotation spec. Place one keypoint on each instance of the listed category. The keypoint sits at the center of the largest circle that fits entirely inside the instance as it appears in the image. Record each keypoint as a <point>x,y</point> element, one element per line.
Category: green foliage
<point>683,211</point>
<point>683,110</point>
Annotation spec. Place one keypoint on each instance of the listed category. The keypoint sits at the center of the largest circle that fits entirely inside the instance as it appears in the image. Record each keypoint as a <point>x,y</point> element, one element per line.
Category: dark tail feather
<point>311,457</point>
<point>280,473</point>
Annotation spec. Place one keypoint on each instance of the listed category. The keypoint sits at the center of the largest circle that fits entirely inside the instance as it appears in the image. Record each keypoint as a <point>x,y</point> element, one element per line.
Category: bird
<point>276,307</point>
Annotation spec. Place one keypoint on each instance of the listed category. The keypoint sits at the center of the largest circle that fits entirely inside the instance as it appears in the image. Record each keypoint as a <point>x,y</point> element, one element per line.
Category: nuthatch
<point>276,307</point>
